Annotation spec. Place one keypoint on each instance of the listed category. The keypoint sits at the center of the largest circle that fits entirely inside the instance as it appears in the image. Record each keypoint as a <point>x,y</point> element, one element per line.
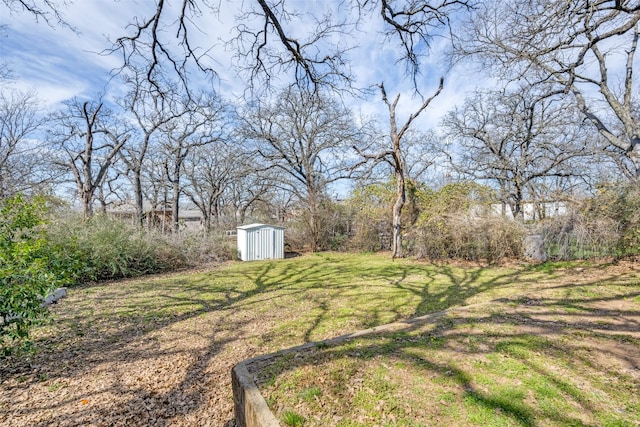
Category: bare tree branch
<point>48,11</point>
<point>571,47</point>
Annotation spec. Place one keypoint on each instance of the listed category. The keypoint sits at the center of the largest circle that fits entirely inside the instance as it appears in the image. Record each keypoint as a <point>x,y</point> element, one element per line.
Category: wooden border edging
<point>251,410</point>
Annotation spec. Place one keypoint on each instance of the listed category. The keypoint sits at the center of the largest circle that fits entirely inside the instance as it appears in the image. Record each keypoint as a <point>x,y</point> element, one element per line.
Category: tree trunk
<point>396,136</point>
<point>137,189</point>
<point>215,213</point>
<point>314,221</point>
<point>206,222</point>
<point>518,212</point>
<point>397,215</point>
<point>175,207</point>
<point>241,214</point>
<point>634,155</point>
<point>313,229</point>
<point>87,206</point>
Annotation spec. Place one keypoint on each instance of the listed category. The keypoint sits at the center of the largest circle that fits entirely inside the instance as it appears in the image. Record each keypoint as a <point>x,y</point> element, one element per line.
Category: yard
<point>546,345</point>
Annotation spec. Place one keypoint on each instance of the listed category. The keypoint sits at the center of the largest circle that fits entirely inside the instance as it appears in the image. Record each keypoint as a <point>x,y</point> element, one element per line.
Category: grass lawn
<point>550,345</point>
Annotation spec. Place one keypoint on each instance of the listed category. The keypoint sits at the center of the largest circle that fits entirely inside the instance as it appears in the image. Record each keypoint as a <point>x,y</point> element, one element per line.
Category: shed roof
<point>258,225</point>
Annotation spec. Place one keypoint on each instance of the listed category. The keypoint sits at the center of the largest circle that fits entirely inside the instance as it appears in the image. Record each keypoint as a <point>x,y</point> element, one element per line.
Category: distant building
<point>535,211</point>
<point>159,217</point>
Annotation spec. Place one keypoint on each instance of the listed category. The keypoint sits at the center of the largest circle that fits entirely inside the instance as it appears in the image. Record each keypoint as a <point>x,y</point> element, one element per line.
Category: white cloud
<point>56,61</point>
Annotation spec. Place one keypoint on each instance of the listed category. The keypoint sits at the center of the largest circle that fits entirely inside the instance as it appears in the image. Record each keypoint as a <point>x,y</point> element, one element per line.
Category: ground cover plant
<point>158,350</point>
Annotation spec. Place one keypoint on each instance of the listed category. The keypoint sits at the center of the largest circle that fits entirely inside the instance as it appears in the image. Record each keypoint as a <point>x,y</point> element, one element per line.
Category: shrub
<point>324,229</point>
<point>458,236</point>
<point>109,248</point>
<point>619,205</point>
<point>206,247</point>
<point>30,268</point>
<point>370,207</point>
<point>607,224</point>
<point>457,222</point>
<point>576,236</point>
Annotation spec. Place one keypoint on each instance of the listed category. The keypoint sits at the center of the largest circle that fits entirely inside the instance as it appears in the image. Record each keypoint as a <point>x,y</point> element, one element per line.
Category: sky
<point>60,63</point>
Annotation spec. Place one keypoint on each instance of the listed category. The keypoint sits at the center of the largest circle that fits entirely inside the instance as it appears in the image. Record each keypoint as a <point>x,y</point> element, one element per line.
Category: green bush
<point>30,268</point>
<point>110,249</point>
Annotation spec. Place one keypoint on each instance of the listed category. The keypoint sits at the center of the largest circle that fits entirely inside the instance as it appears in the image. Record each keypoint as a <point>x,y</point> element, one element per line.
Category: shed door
<point>261,244</point>
<point>253,251</point>
<point>257,250</point>
<point>266,243</point>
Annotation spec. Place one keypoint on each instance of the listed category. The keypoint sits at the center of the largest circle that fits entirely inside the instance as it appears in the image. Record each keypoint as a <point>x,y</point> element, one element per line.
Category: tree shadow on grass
<point>510,360</point>
<point>118,324</point>
<point>115,326</point>
<point>233,313</point>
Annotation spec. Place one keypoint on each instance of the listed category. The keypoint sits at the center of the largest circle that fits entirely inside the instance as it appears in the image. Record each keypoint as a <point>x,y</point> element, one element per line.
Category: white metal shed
<point>260,241</point>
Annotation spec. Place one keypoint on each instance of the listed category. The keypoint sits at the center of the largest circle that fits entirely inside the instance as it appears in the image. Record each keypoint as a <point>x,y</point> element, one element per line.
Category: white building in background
<point>260,241</point>
<point>534,211</point>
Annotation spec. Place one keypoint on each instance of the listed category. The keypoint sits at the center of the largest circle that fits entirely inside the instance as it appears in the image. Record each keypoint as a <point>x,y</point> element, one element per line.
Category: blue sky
<point>59,63</point>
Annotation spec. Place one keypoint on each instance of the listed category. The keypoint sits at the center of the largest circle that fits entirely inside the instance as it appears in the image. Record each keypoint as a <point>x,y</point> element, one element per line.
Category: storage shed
<point>260,241</point>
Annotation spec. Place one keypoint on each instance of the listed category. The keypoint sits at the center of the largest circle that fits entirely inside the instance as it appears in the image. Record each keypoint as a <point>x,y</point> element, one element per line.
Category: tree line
<point>561,120</point>
<point>282,160</point>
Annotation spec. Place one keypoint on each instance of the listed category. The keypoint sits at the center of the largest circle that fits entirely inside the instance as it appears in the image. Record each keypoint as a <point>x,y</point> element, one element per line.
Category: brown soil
<point>118,368</point>
<point>123,372</point>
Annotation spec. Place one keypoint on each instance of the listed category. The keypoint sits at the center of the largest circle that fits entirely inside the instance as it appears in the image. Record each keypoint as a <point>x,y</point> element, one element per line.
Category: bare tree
<point>394,155</point>
<point>200,122</point>
<point>584,48</point>
<point>209,173</point>
<point>163,44</point>
<point>112,190</point>
<point>48,11</point>
<point>516,140</point>
<point>156,189</point>
<point>151,110</point>
<point>412,24</point>
<point>89,139</point>
<point>421,149</point>
<point>249,188</point>
<point>306,137</point>
<point>273,38</point>
<point>20,151</point>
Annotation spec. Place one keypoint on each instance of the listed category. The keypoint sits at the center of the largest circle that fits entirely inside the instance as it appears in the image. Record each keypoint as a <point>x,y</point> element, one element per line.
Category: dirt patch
<point>126,371</point>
